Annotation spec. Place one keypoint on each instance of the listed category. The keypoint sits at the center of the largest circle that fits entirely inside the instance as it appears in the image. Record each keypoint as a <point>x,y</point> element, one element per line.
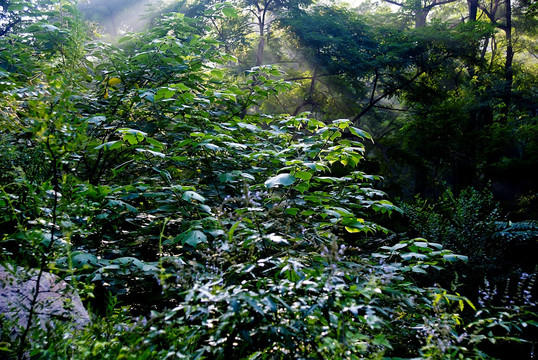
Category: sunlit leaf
<point>283,179</point>
<point>229,11</point>
<point>192,195</point>
<point>411,255</point>
<point>360,133</point>
<point>110,145</point>
<point>394,247</point>
<point>455,257</point>
<point>304,175</point>
<point>153,153</point>
<point>114,81</point>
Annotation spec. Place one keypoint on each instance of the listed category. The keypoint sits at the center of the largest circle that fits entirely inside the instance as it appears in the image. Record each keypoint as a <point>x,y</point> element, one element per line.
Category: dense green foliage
<point>197,221</point>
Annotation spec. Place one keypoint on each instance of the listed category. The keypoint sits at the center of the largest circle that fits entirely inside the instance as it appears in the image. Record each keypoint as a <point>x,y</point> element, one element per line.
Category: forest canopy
<point>270,179</point>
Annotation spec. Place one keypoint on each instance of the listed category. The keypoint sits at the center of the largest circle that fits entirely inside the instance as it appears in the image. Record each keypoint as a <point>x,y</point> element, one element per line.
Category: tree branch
<point>394,3</point>
<point>387,94</point>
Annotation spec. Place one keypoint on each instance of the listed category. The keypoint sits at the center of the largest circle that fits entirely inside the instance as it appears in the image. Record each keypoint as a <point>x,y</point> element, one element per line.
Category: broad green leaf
<point>192,195</point>
<point>360,133</point>
<point>342,123</point>
<point>284,179</point>
<point>110,145</point>
<point>16,7</point>
<point>210,146</point>
<point>381,340</point>
<point>164,93</point>
<point>226,177</point>
<point>125,38</point>
<point>394,247</point>
<point>96,120</point>
<point>153,153</point>
<point>229,12</point>
<point>149,95</point>
<point>155,143</point>
<point>455,257</point>
<point>333,213</point>
<point>385,206</point>
<point>236,145</point>
<point>81,260</point>
<point>250,127</point>
<point>49,27</point>
<point>181,87</point>
<point>193,238</point>
<point>352,230</point>
<point>335,135</point>
<point>247,176</point>
<point>129,260</point>
<point>304,175</point>
<point>292,211</point>
<point>418,269</point>
<point>114,81</point>
<point>354,225</point>
<point>132,136</point>
<point>422,244</point>
<point>345,212</point>
<point>277,239</point>
<point>411,255</point>
<point>302,187</point>
<point>218,74</point>
<point>470,303</point>
<point>130,207</point>
<point>205,208</point>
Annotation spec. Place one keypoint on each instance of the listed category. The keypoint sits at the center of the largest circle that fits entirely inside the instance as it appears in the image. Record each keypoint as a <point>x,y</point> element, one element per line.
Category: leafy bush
<point>465,223</point>
<point>471,224</point>
<point>161,187</point>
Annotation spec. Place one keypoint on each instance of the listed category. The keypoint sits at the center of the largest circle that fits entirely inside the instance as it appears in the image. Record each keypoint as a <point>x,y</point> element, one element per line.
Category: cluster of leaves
<point>471,224</point>
<point>143,171</point>
<point>465,223</point>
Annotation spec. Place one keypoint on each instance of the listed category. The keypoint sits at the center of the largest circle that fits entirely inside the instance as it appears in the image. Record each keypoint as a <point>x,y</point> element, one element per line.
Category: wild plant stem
<point>44,255</point>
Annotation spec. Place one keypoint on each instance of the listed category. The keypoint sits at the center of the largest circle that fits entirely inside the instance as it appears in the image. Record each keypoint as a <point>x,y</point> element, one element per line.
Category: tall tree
<point>257,14</point>
<point>419,8</point>
<point>376,63</point>
<point>264,12</point>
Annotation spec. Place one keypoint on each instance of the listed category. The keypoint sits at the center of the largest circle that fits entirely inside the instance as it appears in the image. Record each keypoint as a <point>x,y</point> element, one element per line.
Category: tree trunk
<point>420,17</point>
<point>261,47</point>
<point>261,25</point>
<point>310,98</point>
<point>473,9</point>
<point>508,70</point>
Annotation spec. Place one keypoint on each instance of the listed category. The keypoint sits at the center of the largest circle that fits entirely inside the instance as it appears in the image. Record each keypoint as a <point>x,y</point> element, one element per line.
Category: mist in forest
<point>118,16</point>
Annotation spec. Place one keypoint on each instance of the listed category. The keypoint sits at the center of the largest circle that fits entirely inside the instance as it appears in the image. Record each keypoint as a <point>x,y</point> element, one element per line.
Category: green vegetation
<point>215,189</point>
